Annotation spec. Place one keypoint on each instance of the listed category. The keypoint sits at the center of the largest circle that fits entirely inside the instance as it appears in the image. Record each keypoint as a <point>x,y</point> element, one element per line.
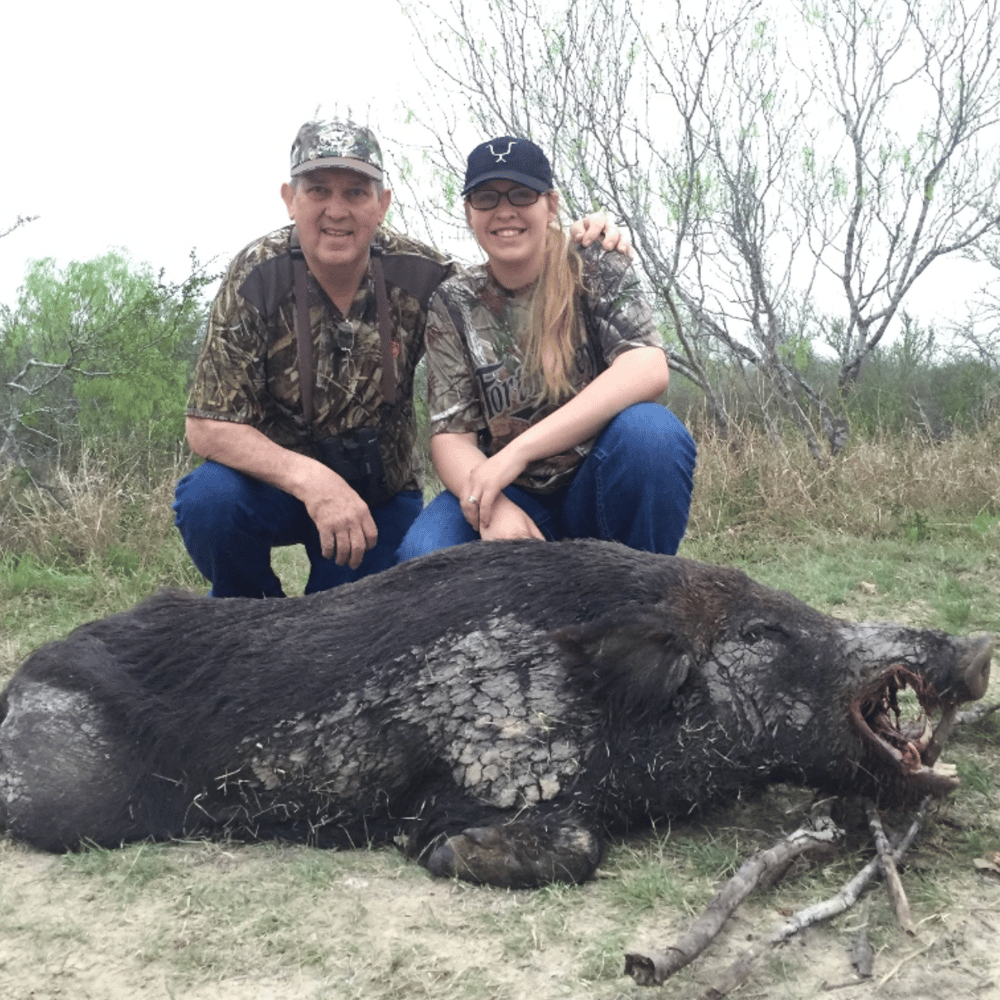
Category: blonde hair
<point>554,332</point>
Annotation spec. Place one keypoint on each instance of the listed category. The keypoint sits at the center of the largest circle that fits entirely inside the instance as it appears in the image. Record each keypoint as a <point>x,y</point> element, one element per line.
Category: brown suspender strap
<point>389,386</point>
<point>303,328</point>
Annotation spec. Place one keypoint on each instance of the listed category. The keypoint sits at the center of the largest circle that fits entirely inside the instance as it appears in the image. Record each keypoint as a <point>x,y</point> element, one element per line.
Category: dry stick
<point>843,900</point>
<point>655,968</point>
<point>892,881</point>
<point>903,961</point>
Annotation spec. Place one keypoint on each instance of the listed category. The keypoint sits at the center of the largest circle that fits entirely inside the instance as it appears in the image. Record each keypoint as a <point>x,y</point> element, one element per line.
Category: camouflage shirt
<point>248,369</point>
<point>474,357</point>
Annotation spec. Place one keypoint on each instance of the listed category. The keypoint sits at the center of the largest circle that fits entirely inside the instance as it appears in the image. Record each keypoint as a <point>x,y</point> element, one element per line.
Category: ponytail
<point>555,329</point>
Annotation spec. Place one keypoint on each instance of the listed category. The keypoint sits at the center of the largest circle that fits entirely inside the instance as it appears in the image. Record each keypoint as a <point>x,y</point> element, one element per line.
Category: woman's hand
<point>508,521</point>
<point>473,478</point>
<point>484,487</point>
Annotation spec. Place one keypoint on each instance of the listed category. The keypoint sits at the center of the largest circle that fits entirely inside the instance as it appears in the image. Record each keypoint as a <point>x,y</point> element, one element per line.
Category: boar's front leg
<point>521,854</point>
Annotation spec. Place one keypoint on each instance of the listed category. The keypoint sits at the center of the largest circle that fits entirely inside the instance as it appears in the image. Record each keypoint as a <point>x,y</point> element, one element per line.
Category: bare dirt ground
<point>199,921</point>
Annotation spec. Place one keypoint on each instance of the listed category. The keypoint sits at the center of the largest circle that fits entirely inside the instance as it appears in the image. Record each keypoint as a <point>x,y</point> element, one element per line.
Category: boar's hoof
<point>518,855</point>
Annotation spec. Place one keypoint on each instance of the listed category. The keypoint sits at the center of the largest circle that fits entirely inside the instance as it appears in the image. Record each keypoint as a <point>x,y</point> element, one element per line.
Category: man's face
<point>337,213</point>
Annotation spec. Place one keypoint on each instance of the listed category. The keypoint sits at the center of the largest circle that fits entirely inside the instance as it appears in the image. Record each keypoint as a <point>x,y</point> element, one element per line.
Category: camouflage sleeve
<point>452,400</point>
<point>229,380</point>
<point>396,242</point>
<point>619,315</point>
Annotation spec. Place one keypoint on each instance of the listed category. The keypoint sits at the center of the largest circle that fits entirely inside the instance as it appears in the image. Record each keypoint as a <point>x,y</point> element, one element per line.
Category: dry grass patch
<point>101,506</point>
<point>875,488</point>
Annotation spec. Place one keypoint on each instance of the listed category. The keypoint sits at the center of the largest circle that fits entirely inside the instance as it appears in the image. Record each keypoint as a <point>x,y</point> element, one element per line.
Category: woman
<point>543,367</point>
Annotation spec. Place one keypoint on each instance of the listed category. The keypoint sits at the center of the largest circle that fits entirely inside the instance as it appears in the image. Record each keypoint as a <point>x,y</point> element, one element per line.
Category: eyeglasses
<point>487,198</point>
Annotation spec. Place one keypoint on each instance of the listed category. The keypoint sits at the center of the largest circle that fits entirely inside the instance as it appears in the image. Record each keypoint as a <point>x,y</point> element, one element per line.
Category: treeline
<point>767,156</point>
<point>911,384</point>
<point>96,359</point>
<point>97,352</point>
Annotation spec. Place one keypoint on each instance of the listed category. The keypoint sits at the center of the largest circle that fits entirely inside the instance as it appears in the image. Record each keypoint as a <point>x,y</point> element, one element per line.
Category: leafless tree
<point>976,336</point>
<point>898,198</point>
<point>21,220</point>
<point>766,159</point>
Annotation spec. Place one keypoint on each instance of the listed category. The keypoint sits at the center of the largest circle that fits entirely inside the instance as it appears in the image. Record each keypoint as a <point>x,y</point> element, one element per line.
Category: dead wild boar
<point>495,708</point>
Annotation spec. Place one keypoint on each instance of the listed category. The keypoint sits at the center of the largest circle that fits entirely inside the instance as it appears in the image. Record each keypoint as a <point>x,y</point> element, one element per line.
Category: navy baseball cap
<point>508,159</point>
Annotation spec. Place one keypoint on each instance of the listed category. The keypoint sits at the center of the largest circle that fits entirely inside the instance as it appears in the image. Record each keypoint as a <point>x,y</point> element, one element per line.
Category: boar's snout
<point>972,674</point>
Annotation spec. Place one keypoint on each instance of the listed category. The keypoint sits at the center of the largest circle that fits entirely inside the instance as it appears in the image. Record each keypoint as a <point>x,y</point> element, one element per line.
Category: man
<point>304,412</point>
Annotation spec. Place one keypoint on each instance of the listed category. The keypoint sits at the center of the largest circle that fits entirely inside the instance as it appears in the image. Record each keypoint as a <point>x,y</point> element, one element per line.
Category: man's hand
<point>346,528</point>
<point>345,525</point>
<point>597,226</point>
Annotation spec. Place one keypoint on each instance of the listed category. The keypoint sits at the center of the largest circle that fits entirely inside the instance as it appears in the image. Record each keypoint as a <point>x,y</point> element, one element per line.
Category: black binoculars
<point>355,457</point>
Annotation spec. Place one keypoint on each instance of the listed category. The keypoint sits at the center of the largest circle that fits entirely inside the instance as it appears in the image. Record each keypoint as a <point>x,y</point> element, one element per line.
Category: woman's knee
<point>653,434</point>
<point>440,525</point>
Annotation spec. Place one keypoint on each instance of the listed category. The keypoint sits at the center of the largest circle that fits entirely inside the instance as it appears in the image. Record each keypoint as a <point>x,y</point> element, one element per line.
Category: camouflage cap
<point>336,144</point>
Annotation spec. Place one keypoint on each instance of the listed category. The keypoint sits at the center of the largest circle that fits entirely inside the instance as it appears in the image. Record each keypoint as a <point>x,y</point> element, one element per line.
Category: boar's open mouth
<point>910,746</point>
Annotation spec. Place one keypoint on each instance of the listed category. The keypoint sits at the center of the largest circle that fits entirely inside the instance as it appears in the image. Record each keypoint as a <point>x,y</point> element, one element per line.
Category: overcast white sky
<point>165,127</point>
<point>162,128</point>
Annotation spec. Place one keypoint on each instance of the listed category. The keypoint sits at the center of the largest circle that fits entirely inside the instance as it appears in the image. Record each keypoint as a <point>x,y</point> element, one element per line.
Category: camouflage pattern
<point>474,357</point>
<point>336,144</point>
<point>248,368</point>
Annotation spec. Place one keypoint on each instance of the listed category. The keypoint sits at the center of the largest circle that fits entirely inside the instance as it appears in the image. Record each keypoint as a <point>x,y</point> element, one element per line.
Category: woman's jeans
<point>633,487</point>
<point>230,522</point>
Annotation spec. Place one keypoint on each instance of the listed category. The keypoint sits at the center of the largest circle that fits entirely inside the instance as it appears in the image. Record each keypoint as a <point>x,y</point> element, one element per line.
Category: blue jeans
<point>230,522</point>
<point>633,487</point>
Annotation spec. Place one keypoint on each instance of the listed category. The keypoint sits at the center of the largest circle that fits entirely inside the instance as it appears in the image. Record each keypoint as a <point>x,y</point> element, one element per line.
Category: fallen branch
<point>897,893</point>
<point>655,968</point>
<point>843,900</point>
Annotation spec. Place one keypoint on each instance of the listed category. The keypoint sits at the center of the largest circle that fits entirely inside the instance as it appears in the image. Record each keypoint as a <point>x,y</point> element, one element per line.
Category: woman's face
<point>513,237</point>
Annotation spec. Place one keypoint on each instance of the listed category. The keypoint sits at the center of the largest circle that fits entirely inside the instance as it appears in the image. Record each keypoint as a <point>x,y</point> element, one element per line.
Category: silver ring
<point>472,500</point>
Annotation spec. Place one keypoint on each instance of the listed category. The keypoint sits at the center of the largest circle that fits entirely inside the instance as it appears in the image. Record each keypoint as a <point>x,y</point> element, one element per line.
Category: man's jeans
<point>230,522</point>
<point>633,487</point>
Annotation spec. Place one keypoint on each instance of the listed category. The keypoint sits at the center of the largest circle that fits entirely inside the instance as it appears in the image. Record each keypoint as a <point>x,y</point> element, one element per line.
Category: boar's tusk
<point>913,758</point>
<point>949,718</point>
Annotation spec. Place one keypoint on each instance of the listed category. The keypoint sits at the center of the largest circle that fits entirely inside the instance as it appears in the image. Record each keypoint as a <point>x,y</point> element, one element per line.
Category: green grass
<point>125,871</point>
<point>948,583</point>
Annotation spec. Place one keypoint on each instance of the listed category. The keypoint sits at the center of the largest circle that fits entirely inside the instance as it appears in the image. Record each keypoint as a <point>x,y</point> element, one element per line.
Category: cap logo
<point>502,156</point>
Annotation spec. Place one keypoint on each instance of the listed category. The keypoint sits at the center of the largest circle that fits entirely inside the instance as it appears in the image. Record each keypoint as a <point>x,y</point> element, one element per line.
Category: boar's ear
<point>629,659</point>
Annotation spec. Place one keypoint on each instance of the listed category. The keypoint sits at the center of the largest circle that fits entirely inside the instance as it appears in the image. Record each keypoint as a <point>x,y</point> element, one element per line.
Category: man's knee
<point>209,494</point>
<point>215,499</point>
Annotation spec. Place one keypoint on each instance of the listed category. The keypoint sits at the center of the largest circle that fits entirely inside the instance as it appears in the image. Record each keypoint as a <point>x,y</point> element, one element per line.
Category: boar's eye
<point>760,631</point>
